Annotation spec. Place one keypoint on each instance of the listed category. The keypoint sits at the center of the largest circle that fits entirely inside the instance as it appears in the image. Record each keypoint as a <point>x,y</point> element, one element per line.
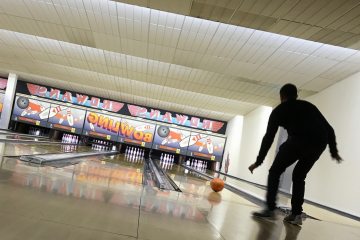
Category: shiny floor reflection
<point>104,198</point>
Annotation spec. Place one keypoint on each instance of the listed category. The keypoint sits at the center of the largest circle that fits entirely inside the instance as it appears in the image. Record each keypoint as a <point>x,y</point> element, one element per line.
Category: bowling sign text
<point>123,128</point>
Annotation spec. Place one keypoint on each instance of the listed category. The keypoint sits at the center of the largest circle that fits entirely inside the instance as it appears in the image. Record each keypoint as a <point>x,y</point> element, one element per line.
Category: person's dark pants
<point>290,152</point>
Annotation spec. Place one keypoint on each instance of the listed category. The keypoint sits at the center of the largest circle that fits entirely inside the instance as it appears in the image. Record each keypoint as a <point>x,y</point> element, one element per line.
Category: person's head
<point>288,92</point>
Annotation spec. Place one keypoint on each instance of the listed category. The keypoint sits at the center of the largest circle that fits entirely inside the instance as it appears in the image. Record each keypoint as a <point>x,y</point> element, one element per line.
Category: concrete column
<point>8,100</point>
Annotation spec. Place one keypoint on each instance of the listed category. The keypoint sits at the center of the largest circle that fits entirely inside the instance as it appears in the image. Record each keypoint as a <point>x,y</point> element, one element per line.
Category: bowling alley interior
<point>139,119</point>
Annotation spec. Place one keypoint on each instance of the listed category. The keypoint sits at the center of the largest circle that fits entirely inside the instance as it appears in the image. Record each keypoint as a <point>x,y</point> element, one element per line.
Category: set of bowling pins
<point>69,138</point>
<point>36,131</point>
<point>133,154</point>
<point>68,148</point>
<point>102,145</point>
<point>166,161</point>
<point>197,164</point>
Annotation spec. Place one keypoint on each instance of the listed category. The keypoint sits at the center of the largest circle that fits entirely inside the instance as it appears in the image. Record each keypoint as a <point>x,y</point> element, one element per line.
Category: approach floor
<point>104,198</point>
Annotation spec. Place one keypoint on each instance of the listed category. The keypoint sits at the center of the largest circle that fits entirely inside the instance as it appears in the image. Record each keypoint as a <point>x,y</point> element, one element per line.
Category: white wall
<point>8,101</point>
<point>233,139</point>
<point>254,128</point>
<point>328,183</point>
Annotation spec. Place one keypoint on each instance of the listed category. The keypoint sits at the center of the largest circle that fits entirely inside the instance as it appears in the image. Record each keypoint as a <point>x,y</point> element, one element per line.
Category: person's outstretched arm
<point>267,141</point>
<point>331,139</point>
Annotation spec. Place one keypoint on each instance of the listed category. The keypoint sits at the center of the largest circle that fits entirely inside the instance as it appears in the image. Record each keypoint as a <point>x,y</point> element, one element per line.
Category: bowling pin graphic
<point>70,117</point>
<point>195,138</point>
<point>209,145</point>
<point>23,113</point>
<point>92,127</point>
<point>54,110</point>
<point>143,128</point>
<point>184,142</point>
<point>201,148</point>
<point>164,141</point>
<point>44,114</point>
<point>61,120</point>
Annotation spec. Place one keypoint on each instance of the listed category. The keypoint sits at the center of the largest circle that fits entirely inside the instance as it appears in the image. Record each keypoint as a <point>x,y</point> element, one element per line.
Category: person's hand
<point>252,167</point>
<point>337,157</point>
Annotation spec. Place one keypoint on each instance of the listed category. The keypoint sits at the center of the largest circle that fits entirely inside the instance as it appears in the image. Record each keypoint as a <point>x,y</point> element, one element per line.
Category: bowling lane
<point>98,194</point>
<point>20,137</point>
<point>199,213</point>
<point>9,132</point>
<point>284,200</point>
<point>103,198</point>
<point>19,149</point>
<point>224,215</point>
<point>190,182</point>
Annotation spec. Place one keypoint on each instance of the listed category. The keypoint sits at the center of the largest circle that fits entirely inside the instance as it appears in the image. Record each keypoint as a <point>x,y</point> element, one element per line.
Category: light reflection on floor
<point>97,199</point>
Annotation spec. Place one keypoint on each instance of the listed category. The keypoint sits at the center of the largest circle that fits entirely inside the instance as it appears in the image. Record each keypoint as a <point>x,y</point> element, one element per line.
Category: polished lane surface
<point>100,197</point>
<point>284,200</point>
<point>16,137</point>
<point>19,149</point>
<point>104,198</point>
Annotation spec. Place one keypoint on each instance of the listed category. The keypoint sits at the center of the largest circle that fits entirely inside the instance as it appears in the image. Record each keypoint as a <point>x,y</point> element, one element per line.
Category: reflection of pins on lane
<point>70,117</point>
<point>209,145</point>
<point>143,128</point>
<point>195,138</point>
<point>54,111</point>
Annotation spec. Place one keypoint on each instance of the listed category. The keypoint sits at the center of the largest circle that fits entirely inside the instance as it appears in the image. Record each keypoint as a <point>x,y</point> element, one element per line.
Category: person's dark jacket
<point>304,124</point>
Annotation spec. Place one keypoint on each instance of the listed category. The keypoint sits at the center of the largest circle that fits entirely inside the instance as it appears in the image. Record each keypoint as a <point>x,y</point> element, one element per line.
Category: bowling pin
<point>195,138</point>
<point>164,141</point>
<point>209,145</point>
<point>23,113</point>
<point>201,148</point>
<point>184,142</point>
<point>54,110</point>
<point>44,114</point>
<point>92,127</point>
<point>69,117</point>
<point>143,128</point>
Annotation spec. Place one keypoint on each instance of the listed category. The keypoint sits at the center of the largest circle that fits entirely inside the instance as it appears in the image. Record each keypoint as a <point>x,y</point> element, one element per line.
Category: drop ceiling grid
<point>40,11</point>
<point>101,63</point>
<point>15,7</point>
<point>355,58</point>
<point>346,19</point>
<point>318,83</point>
<point>334,53</point>
<point>341,70</point>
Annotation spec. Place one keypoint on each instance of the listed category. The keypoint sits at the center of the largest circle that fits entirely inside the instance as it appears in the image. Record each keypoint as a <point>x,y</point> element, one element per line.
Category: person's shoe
<point>265,214</point>
<point>293,219</point>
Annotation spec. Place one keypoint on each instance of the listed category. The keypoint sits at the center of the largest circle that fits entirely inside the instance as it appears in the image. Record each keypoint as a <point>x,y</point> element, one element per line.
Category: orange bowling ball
<point>217,184</point>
